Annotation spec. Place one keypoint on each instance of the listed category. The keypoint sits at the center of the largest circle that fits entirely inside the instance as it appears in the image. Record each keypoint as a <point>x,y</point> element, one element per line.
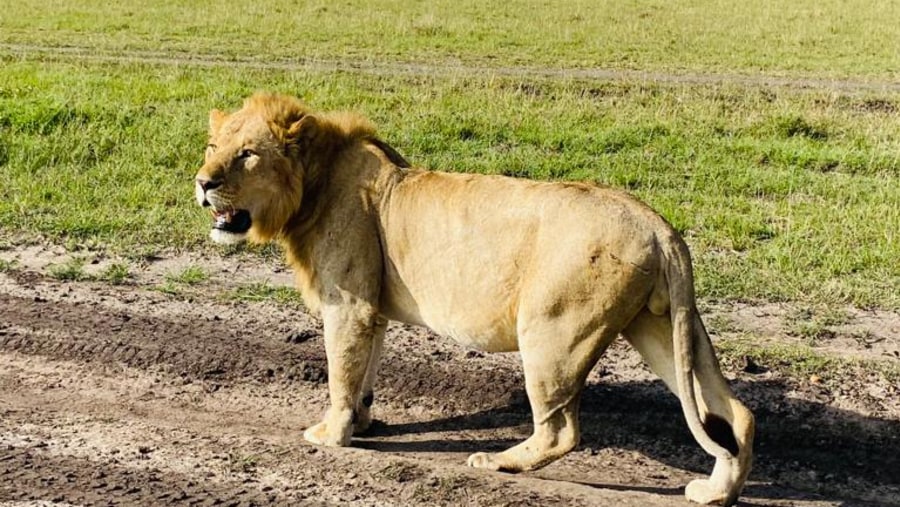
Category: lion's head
<point>249,179</point>
<point>261,159</point>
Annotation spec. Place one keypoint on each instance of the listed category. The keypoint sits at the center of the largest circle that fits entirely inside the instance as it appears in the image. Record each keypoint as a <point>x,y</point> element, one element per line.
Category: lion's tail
<point>680,278</point>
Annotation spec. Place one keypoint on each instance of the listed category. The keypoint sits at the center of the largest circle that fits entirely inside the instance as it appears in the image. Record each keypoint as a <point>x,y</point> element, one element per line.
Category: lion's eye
<point>245,153</point>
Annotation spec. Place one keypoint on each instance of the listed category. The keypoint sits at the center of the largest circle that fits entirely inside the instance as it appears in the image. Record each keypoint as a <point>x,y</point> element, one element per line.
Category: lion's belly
<point>486,327</point>
<point>497,339</point>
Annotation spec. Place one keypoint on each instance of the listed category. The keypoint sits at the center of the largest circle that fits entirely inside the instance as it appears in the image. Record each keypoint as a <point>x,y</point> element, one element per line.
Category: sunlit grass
<point>801,37</point>
<point>783,194</point>
<point>115,274</point>
<point>264,291</point>
<point>804,363</point>
<point>191,275</point>
<point>69,271</point>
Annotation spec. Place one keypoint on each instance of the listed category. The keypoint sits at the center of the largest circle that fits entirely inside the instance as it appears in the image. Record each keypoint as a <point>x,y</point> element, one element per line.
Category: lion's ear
<point>216,119</point>
<point>302,131</point>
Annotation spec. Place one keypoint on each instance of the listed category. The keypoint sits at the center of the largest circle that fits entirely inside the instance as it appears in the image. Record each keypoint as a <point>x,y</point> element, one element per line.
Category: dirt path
<point>124,394</point>
<point>453,69</point>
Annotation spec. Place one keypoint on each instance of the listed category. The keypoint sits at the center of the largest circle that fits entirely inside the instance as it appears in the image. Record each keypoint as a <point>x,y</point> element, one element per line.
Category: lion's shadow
<point>800,442</point>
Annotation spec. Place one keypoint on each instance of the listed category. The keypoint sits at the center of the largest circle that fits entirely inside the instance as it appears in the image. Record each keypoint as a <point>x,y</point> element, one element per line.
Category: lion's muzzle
<point>230,225</point>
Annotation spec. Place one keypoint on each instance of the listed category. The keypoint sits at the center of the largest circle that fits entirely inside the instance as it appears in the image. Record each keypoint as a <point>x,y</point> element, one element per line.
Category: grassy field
<point>785,193</point>
<point>836,38</point>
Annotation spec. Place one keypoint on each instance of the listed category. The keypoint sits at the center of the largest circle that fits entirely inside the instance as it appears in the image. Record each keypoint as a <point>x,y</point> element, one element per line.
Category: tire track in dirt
<point>198,348</point>
<point>31,475</point>
<point>445,69</point>
<point>211,349</point>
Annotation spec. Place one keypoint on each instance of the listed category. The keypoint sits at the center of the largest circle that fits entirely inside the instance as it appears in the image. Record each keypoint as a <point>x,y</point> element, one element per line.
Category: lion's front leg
<point>350,333</point>
<point>362,417</point>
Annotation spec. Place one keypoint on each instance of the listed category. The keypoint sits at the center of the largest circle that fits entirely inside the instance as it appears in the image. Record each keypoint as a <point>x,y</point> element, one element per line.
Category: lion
<point>554,270</point>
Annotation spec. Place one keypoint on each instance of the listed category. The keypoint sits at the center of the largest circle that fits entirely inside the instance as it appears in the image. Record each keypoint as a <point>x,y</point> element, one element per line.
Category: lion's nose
<point>208,184</point>
<point>202,186</point>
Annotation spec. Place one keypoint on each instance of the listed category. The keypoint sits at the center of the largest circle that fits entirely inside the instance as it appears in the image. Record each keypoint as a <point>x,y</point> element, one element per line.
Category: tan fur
<point>554,270</point>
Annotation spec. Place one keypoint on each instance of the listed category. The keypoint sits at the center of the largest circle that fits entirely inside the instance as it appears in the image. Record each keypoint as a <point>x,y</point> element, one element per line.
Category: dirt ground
<point>124,394</point>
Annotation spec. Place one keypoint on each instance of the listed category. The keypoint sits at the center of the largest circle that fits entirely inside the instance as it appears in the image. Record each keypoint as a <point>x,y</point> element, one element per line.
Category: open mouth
<point>233,221</point>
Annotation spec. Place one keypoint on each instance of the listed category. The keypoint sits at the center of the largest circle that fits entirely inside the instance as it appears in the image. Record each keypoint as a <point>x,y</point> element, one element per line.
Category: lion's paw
<point>320,435</point>
<point>703,492</point>
<point>483,460</point>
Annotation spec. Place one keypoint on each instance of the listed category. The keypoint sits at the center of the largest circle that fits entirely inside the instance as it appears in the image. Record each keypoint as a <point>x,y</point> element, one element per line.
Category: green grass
<point>263,291</point>
<point>802,37</point>
<point>784,193</point>
<point>813,326</point>
<point>115,274</point>
<point>803,362</point>
<point>7,265</point>
<point>168,287</point>
<point>191,275</point>
<point>177,284</point>
<point>69,271</point>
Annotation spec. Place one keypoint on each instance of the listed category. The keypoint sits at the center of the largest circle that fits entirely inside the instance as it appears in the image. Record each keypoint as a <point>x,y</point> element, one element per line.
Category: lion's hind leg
<point>554,380</point>
<point>725,419</point>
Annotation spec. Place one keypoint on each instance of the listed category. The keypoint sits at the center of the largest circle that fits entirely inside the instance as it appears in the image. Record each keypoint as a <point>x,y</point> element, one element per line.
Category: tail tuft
<point>720,431</point>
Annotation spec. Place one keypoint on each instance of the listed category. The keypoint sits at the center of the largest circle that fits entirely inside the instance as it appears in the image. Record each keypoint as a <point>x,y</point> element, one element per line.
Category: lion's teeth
<point>223,217</point>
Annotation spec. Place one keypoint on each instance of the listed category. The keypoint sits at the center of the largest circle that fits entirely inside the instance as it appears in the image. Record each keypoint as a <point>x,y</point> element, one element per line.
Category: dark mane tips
<point>395,157</point>
<point>351,127</point>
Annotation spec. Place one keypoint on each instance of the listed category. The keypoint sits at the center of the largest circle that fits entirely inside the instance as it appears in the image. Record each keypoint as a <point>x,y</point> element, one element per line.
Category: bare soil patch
<point>126,394</point>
